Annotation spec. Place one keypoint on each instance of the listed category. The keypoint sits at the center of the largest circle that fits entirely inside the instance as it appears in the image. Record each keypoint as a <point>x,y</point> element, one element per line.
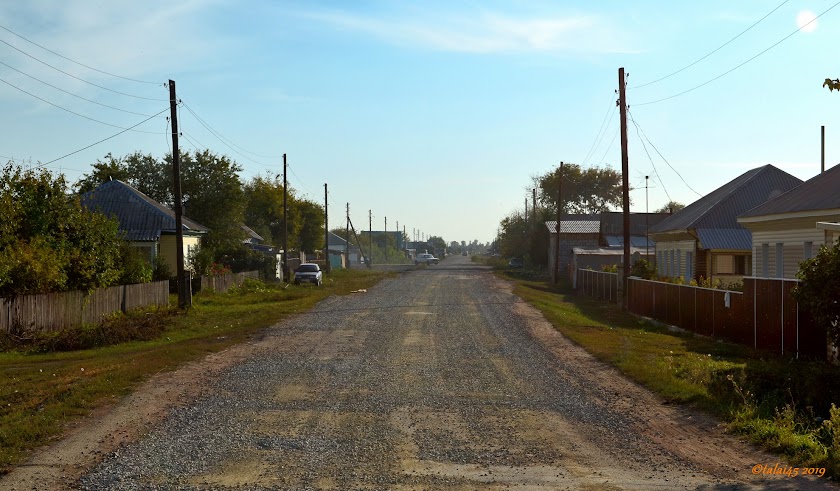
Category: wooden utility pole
<point>370,235</point>
<point>386,240</point>
<point>526,210</point>
<point>327,264</point>
<point>184,286</point>
<point>534,204</point>
<point>625,188</point>
<point>347,241</point>
<point>647,223</point>
<point>285,223</point>
<point>559,212</point>
<point>822,149</point>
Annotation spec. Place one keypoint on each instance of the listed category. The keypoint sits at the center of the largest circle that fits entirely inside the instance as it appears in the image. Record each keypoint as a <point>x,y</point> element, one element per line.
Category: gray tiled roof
<point>720,208</point>
<point>140,217</point>
<point>821,192</point>
<point>574,226</point>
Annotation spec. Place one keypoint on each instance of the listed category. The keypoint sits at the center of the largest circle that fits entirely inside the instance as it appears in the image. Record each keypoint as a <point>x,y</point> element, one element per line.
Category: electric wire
<point>74,61</point>
<point>74,112</point>
<point>603,157</point>
<point>712,52</point>
<point>601,129</point>
<point>81,79</point>
<point>70,93</point>
<point>741,64</point>
<point>220,137</point>
<point>655,171</point>
<point>104,139</point>
<point>642,133</point>
<point>227,141</point>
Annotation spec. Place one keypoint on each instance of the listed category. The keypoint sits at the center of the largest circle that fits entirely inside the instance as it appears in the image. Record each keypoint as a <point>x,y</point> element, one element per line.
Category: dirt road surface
<point>440,379</point>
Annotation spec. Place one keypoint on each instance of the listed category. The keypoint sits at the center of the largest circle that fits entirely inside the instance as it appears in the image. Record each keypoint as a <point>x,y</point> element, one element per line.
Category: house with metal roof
<point>704,239</point>
<point>791,227</point>
<point>146,224</point>
<point>576,230</point>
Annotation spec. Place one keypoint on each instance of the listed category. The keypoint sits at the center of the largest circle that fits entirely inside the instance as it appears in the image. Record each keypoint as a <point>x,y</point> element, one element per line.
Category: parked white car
<point>425,259</point>
<point>308,273</point>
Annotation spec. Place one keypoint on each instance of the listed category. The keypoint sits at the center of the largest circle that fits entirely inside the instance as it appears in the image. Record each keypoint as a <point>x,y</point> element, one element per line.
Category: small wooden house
<point>146,224</point>
<point>791,227</point>
<point>705,240</point>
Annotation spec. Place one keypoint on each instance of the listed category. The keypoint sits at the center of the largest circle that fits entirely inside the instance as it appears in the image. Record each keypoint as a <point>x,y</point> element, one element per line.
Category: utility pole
<point>184,286</point>
<point>285,223</point>
<point>625,189</point>
<point>347,236</point>
<point>326,232</point>
<point>647,223</point>
<point>386,240</point>
<point>534,203</point>
<point>526,210</point>
<point>822,149</point>
<point>370,235</point>
<point>559,212</point>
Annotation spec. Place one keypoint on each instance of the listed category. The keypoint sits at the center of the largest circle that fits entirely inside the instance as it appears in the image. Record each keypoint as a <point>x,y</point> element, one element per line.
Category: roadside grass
<point>44,392</point>
<point>783,405</point>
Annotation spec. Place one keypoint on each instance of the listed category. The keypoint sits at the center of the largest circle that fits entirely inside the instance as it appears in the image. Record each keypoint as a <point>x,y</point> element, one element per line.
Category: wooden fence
<point>56,311</point>
<point>223,283</point>
<point>598,284</point>
<point>765,316</point>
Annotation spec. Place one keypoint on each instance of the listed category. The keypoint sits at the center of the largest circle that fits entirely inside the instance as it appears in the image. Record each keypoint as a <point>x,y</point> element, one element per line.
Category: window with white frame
<point>780,260</point>
<point>808,250</point>
<point>765,260</point>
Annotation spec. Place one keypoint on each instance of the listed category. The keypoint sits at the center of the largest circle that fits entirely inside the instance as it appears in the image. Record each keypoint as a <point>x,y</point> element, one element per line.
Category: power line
<point>70,93</point>
<point>104,139</point>
<point>742,64</point>
<point>74,61</point>
<point>611,144</point>
<point>219,136</point>
<point>661,156</point>
<point>713,51</point>
<point>81,79</point>
<point>601,129</point>
<point>227,141</point>
<point>74,112</point>
<point>655,171</point>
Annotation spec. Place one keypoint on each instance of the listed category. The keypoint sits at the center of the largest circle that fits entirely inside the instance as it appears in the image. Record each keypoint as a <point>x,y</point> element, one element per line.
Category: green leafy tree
<point>590,190</point>
<point>143,172</point>
<point>832,84</point>
<point>49,241</point>
<point>819,289</point>
<point>670,207</point>
<point>264,207</point>
<point>214,197</point>
<point>310,230</point>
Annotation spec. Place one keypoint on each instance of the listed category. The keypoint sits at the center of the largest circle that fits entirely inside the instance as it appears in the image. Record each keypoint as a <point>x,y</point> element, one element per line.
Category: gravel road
<point>442,379</point>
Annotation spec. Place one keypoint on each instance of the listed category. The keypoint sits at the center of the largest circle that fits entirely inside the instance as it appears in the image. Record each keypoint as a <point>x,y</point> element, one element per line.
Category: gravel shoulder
<point>438,379</point>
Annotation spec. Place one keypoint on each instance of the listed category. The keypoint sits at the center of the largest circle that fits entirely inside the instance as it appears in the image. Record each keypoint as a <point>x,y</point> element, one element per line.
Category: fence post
<point>783,317</point>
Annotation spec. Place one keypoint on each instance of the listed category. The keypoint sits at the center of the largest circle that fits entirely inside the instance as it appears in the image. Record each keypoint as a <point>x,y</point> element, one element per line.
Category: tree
<point>819,290</point>
<point>310,233</point>
<point>213,196</point>
<point>832,84</point>
<point>670,207</point>
<point>50,242</point>
<point>591,190</point>
<point>142,172</point>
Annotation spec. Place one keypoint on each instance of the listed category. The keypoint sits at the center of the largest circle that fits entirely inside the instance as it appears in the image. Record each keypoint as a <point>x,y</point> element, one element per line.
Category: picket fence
<point>51,312</point>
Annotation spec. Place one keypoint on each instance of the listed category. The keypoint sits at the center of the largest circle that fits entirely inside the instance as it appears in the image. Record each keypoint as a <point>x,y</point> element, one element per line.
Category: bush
<point>643,269</point>
<point>135,267</point>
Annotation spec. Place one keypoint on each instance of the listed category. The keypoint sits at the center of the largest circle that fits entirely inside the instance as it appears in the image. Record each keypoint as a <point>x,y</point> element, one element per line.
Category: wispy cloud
<point>484,32</point>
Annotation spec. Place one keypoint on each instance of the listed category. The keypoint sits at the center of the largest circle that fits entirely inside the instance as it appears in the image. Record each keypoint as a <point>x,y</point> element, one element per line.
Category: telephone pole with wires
<point>285,223</point>
<point>327,265</point>
<point>559,214</point>
<point>184,281</point>
<point>625,190</point>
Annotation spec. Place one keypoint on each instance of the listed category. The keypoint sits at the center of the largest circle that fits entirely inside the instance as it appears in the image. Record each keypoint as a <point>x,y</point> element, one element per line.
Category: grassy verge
<point>783,405</point>
<point>41,393</point>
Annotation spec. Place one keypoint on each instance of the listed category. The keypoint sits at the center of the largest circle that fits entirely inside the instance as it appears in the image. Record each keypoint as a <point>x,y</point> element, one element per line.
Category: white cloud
<point>485,32</point>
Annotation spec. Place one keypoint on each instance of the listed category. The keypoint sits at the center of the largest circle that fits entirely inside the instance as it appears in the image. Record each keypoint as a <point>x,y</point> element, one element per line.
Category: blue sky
<point>434,114</point>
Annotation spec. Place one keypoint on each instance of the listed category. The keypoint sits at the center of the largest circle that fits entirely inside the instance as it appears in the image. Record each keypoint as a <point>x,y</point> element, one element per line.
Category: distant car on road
<point>425,259</point>
<point>308,273</point>
<point>515,263</point>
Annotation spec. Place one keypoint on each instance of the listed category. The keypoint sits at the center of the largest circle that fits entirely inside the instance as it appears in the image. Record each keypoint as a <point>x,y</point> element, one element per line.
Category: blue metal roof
<point>635,241</point>
<point>725,238</point>
<point>140,217</point>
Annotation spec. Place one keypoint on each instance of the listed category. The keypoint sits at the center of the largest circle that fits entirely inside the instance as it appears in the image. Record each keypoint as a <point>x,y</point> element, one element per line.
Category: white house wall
<point>169,251</point>
<point>793,250</point>
<point>672,257</point>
